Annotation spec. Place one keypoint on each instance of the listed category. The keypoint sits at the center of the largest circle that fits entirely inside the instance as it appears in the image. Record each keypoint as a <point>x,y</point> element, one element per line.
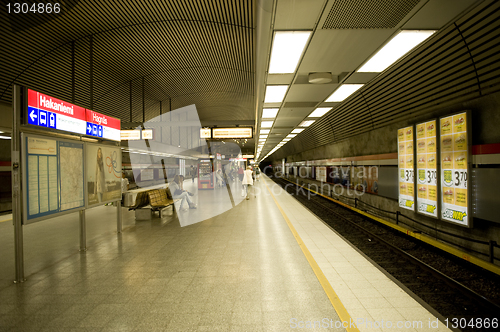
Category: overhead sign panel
<point>130,135</point>
<point>103,126</point>
<point>427,185</point>
<point>49,112</point>
<point>205,133</point>
<point>135,135</point>
<point>405,168</point>
<point>455,159</point>
<point>232,132</point>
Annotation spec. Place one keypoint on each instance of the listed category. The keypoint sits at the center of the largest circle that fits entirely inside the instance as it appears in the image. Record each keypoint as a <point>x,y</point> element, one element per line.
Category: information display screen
<point>53,182</point>
<point>454,168</point>
<point>405,168</point>
<point>427,186</point>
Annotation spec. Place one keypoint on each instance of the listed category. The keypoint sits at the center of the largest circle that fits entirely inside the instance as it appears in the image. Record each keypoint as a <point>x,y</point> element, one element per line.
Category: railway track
<point>454,289</point>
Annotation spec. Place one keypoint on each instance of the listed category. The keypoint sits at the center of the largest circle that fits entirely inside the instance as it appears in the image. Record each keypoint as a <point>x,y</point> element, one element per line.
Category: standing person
<point>177,191</point>
<point>247,180</point>
<point>240,173</point>
<point>99,176</point>
<point>257,173</point>
<point>220,180</point>
<point>192,173</point>
<point>124,186</point>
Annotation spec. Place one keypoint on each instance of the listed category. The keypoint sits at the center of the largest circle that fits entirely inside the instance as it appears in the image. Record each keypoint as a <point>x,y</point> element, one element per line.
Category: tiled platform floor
<point>241,270</point>
<point>367,293</point>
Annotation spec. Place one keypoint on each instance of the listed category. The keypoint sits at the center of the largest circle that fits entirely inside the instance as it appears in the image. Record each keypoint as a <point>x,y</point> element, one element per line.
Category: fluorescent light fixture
<point>306,123</point>
<point>291,135</point>
<point>262,140</point>
<point>287,49</point>
<point>344,91</point>
<point>263,136</point>
<point>297,130</point>
<point>266,124</point>
<point>398,46</point>
<point>5,137</point>
<point>275,93</point>
<point>319,112</point>
<point>269,113</point>
<point>265,131</point>
<point>286,139</point>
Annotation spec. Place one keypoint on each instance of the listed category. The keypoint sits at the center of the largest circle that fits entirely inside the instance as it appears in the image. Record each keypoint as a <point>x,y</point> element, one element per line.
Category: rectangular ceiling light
<point>265,131</point>
<point>263,136</point>
<point>398,46</point>
<point>291,135</point>
<point>269,113</point>
<point>306,123</point>
<point>266,124</point>
<point>286,139</point>
<point>344,91</point>
<point>287,49</point>
<point>275,93</point>
<point>319,112</point>
<point>297,130</point>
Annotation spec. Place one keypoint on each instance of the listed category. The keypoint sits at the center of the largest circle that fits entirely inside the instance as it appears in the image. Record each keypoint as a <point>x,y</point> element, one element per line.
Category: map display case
<point>53,177</point>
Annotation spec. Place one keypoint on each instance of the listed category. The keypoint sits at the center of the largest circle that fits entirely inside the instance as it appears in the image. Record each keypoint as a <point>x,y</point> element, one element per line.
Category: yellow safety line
<point>6,220</point>
<point>422,237</point>
<point>334,299</point>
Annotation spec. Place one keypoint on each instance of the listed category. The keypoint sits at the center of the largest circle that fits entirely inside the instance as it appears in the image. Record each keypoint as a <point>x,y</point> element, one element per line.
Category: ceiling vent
<point>320,78</point>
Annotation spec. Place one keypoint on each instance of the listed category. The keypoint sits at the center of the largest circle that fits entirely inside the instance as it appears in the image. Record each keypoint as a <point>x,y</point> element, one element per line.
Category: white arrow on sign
<point>33,116</point>
<point>89,128</point>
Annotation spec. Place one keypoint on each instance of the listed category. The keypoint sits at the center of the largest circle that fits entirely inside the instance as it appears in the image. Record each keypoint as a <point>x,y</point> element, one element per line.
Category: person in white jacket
<point>247,181</point>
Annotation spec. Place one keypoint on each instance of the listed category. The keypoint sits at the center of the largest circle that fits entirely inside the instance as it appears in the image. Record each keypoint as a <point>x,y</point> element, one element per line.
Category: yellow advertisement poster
<point>427,169</point>
<point>454,167</point>
<point>406,171</point>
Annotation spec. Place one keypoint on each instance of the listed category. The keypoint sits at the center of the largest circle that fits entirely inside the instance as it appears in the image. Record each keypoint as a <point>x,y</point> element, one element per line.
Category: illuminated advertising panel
<point>455,157</point>
<point>103,174</point>
<point>405,168</point>
<point>427,185</point>
<point>320,174</point>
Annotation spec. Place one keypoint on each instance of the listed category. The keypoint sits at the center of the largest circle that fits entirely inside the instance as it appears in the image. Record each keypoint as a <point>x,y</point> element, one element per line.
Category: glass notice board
<point>53,180</point>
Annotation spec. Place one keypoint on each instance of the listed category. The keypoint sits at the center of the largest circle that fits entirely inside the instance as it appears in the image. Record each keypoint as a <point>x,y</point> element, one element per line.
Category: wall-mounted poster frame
<point>406,167</point>
<point>53,177</point>
<point>103,174</point>
<point>455,155</point>
<point>427,175</point>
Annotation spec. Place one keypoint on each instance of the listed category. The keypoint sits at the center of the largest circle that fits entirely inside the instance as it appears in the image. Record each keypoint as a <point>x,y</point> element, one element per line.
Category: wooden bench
<point>159,199</point>
<point>152,201</point>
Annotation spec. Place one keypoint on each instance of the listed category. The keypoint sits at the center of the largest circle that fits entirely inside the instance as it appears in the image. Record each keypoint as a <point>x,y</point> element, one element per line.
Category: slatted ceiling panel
<point>438,74</point>
<point>82,72</point>
<point>194,52</point>
<point>367,14</point>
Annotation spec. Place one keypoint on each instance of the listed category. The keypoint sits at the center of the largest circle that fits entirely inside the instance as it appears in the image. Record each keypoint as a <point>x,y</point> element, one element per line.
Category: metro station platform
<point>266,264</point>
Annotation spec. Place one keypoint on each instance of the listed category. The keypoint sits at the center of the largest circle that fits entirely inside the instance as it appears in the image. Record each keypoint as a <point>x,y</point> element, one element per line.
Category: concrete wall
<point>485,130</point>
